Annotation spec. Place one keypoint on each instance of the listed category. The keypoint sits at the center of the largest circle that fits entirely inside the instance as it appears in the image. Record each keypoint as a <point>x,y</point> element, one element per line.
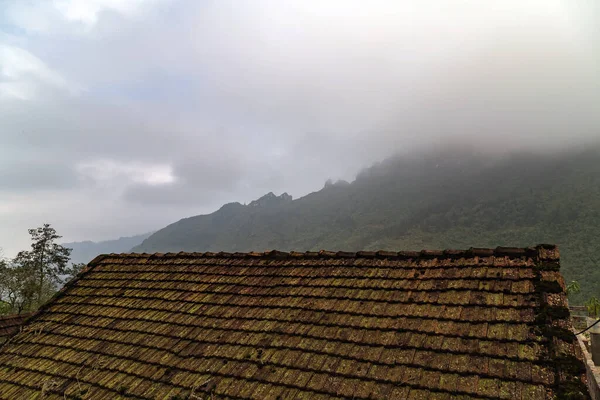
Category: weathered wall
<point>591,371</point>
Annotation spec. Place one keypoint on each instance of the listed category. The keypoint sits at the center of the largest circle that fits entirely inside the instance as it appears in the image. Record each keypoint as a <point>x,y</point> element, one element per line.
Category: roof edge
<point>552,320</point>
<point>543,252</point>
<point>32,315</point>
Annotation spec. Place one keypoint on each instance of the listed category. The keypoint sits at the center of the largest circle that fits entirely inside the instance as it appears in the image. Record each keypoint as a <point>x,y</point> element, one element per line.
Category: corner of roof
<point>553,322</point>
<point>548,282</point>
<point>548,254</point>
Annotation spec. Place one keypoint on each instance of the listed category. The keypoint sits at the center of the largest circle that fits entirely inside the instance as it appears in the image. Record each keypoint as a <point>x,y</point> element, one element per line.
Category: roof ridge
<point>538,251</point>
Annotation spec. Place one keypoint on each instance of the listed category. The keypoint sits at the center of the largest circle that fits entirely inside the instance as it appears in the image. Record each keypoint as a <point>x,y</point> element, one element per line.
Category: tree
<point>593,306</point>
<point>573,288</point>
<point>17,289</point>
<point>5,303</point>
<point>72,271</point>
<point>46,262</point>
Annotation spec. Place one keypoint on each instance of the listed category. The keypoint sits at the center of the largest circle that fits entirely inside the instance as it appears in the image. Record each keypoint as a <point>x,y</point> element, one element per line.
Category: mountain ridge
<point>86,250</point>
<point>424,201</point>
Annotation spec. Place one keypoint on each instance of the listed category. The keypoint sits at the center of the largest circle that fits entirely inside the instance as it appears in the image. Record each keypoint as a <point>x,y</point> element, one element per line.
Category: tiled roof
<point>482,323</point>
<point>9,325</point>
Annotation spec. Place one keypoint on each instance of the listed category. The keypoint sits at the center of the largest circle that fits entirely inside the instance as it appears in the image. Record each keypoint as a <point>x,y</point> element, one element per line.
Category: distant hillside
<point>450,200</point>
<point>84,252</point>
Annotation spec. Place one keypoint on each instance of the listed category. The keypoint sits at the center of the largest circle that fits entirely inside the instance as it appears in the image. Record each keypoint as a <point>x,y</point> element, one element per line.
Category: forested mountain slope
<point>436,200</point>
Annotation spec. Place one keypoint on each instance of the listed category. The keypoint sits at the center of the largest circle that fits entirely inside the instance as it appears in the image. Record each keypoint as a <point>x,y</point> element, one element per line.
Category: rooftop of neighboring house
<point>10,324</point>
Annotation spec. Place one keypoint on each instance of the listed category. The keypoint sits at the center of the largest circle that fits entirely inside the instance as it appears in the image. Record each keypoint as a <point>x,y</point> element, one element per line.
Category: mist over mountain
<point>438,200</point>
<point>86,251</point>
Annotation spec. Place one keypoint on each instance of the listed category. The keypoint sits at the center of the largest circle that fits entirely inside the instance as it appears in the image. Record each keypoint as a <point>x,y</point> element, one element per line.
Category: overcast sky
<point>118,117</point>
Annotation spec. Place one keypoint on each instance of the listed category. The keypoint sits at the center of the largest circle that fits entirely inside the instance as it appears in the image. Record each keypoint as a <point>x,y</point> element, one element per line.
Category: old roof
<point>481,323</point>
<point>9,325</point>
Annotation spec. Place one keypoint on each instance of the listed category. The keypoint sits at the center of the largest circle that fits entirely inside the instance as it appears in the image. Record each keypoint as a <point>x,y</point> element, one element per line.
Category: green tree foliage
<point>33,276</point>
<point>593,306</point>
<point>17,289</point>
<point>46,261</point>
<point>72,271</point>
<point>573,288</point>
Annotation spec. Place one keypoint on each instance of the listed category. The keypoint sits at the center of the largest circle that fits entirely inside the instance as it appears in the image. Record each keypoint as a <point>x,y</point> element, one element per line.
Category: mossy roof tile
<point>423,325</point>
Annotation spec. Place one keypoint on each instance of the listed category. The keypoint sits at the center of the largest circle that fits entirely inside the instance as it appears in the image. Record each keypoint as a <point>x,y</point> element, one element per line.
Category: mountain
<point>453,199</point>
<point>84,252</point>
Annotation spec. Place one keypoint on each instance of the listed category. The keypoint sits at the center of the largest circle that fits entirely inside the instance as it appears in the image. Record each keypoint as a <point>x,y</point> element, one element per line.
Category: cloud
<point>87,11</point>
<point>35,175</point>
<point>200,177</point>
<point>73,16</point>
<point>149,111</point>
<point>22,74</point>
<point>109,171</point>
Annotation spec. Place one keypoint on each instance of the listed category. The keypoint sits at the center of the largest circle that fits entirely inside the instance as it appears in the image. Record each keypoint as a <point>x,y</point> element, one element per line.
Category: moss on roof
<point>481,323</point>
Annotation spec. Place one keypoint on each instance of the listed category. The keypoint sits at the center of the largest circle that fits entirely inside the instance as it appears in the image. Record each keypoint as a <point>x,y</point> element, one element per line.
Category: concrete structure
<point>592,373</point>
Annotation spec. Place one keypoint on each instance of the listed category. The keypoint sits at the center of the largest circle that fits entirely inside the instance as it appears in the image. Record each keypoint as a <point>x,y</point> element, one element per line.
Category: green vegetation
<point>446,200</point>
<point>593,306</point>
<point>573,288</point>
<point>33,276</point>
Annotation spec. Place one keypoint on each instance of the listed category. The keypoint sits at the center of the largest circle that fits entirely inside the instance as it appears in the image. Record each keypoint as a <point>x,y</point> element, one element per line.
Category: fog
<point>119,117</point>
